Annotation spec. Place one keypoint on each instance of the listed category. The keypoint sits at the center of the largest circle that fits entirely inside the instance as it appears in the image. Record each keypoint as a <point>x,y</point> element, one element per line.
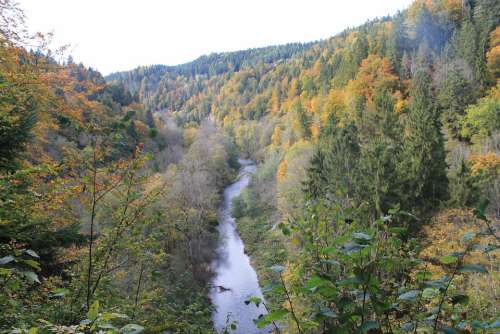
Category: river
<point>235,279</point>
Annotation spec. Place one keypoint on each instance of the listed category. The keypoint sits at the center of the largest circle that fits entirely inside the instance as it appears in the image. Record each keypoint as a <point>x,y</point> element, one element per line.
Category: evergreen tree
<point>423,168</point>
<point>454,96</point>
<point>397,43</point>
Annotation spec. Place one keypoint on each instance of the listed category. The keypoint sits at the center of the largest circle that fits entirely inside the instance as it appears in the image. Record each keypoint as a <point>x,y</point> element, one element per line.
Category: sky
<point>118,35</point>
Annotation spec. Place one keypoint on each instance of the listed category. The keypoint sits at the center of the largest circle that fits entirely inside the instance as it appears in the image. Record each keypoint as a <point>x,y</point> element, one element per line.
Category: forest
<point>375,207</point>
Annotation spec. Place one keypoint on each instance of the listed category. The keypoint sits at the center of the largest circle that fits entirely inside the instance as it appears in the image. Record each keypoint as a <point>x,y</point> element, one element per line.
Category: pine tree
<point>423,168</point>
<point>454,96</point>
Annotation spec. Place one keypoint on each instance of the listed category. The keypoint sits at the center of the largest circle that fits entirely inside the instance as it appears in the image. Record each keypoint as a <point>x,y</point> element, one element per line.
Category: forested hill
<point>398,118</point>
<point>145,80</point>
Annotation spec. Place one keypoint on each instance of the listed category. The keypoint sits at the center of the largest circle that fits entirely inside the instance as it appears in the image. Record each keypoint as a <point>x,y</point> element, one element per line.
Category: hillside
<point>400,114</point>
<point>375,206</point>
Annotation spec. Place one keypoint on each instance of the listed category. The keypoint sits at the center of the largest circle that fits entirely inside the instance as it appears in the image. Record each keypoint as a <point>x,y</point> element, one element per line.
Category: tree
<point>423,166</point>
<point>455,94</point>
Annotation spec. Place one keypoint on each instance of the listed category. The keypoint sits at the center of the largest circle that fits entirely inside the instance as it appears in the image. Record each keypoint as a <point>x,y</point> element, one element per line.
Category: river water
<point>233,271</point>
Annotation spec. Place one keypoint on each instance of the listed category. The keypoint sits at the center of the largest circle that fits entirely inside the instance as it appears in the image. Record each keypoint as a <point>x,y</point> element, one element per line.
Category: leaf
<point>32,264</point>
<point>368,326</point>
<point>472,268</point>
<point>131,329</point>
<point>106,326</point>
<point>448,259</point>
<point>361,236</point>
<point>31,253</point>
<point>277,268</point>
<point>328,250</point>
<point>254,300</point>
<point>270,317</point>
<point>429,293</point>
<point>31,276</point>
<point>410,295</point>
<point>460,299</point>
<point>56,293</point>
<point>93,311</point>
<point>33,330</point>
<point>6,259</point>
<point>398,230</point>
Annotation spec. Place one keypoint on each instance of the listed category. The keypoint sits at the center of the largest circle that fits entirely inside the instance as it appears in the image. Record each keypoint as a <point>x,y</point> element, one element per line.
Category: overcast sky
<point>116,35</point>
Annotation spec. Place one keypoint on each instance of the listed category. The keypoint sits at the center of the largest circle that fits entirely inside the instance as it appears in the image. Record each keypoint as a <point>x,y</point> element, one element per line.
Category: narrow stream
<point>235,279</point>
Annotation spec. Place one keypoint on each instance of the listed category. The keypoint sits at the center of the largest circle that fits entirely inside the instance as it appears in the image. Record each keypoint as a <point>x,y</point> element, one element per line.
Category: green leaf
<point>31,253</point>
<point>368,326</point>
<point>93,311</point>
<point>398,230</point>
<point>233,326</point>
<point>33,330</point>
<point>448,259</point>
<point>472,268</point>
<point>410,295</point>
<point>131,329</point>
<point>56,293</point>
<point>32,264</point>
<point>270,317</point>
<point>460,299</point>
<point>6,259</point>
<point>361,236</point>
<point>106,326</point>
<point>429,293</point>
<point>31,276</point>
<point>254,300</point>
<point>328,250</point>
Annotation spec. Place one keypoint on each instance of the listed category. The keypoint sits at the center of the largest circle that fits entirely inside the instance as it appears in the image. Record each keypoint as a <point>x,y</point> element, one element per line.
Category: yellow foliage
<point>335,104</point>
<point>374,72</point>
<point>443,237</point>
<point>276,137</point>
<point>488,163</point>
<point>493,55</point>
<point>282,170</point>
<point>315,130</point>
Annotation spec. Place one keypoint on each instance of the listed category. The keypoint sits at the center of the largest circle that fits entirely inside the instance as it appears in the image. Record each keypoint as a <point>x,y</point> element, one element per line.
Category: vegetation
<point>375,207</point>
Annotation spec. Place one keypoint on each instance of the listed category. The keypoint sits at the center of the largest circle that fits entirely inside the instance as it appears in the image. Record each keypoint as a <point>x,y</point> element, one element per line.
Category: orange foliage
<point>493,55</point>
<point>282,168</point>
<point>374,72</point>
<point>445,232</point>
<point>486,163</point>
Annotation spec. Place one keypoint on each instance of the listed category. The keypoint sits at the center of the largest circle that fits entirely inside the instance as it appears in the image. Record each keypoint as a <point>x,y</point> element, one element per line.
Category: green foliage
<point>368,277</point>
<point>481,120</point>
